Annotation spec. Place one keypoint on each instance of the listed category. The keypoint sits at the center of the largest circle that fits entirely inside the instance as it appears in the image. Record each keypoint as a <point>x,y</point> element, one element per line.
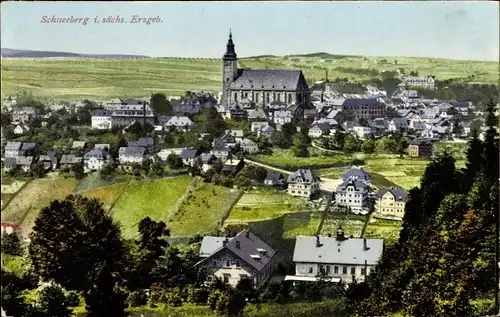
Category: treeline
<point>394,144</point>
<point>478,94</point>
<point>444,261</point>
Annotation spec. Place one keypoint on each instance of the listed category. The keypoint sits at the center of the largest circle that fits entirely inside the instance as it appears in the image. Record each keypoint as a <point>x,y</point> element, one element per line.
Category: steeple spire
<point>230,53</point>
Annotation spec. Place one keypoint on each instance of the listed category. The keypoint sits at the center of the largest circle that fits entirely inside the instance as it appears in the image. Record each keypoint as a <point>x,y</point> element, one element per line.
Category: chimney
<point>365,248</point>
<point>247,234</point>
<point>329,235</point>
<point>366,268</point>
<point>326,75</point>
<point>317,242</point>
<point>144,112</point>
<point>224,243</point>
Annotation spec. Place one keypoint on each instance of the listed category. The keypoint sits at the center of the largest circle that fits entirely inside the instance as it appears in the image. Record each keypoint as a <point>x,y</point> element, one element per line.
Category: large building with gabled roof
<point>261,86</point>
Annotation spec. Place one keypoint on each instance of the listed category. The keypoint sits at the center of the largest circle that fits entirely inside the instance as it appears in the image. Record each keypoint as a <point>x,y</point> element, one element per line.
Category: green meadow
<point>99,79</point>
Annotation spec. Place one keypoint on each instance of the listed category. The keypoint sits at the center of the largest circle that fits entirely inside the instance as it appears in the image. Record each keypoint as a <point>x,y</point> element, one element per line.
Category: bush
<point>137,298</point>
<point>173,298</point>
<point>197,295</point>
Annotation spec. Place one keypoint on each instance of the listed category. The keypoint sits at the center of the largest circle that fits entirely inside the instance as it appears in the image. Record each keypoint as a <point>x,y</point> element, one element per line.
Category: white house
<point>397,124</point>
<point>319,129</point>
<point>181,123</point>
<point>13,149</point>
<point>363,132</point>
<point>257,126</point>
<point>417,124</point>
<point>303,183</point>
<point>163,154</point>
<point>353,194</point>
<point>282,116</point>
<point>233,259</point>
<point>189,156</point>
<point>21,129</point>
<point>132,155</point>
<point>249,146</point>
<point>101,119</point>
<point>94,160</point>
<point>335,258</point>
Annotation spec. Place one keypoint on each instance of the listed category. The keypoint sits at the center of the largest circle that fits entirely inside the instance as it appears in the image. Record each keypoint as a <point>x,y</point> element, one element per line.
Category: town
<point>273,190</point>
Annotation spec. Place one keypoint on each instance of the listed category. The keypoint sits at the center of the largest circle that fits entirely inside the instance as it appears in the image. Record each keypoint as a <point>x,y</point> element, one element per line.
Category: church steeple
<point>230,53</point>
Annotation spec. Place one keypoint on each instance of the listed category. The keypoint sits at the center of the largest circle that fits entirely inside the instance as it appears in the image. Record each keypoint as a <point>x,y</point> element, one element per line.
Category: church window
<point>235,96</point>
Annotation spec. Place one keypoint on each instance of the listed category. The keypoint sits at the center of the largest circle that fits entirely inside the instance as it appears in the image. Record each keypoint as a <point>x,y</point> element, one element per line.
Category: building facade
<point>391,202</point>
<point>429,82</point>
<point>335,258</point>
<point>244,256</point>
<point>303,183</point>
<point>420,148</point>
<point>262,86</point>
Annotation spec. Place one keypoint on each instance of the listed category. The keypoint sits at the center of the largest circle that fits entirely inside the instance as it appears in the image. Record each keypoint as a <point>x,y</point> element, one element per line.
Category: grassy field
<point>294,225</point>
<point>352,225</point>
<point>107,194</point>
<point>72,78</point>
<point>153,198</point>
<point>262,205</point>
<point>201,211</point>
<point>26,205</point>
<point>383,229</point>
<point>286,160</point>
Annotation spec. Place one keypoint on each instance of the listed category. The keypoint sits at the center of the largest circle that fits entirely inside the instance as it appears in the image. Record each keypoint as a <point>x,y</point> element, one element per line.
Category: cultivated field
<point>262,205</point>
<point>26,205</point>
<point>154,198</point>
<point>202,210</point>
<point>73,78</point>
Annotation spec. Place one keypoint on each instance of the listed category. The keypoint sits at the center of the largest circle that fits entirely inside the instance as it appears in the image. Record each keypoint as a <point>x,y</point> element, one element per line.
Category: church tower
<point>229,70</point>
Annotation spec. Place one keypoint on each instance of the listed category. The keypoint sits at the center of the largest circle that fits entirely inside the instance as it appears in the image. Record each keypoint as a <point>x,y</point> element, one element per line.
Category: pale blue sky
<point>459,30</point>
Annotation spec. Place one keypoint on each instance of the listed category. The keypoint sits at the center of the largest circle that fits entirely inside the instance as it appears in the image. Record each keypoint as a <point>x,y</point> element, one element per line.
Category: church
<point>263,88</point>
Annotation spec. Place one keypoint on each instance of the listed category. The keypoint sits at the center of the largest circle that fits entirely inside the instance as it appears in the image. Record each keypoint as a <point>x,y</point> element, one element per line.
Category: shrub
<point>137,298</point>
<point>197,295</point>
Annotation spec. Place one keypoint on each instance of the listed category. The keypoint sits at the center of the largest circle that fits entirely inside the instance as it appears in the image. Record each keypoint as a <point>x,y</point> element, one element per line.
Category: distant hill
<point>13,53</point>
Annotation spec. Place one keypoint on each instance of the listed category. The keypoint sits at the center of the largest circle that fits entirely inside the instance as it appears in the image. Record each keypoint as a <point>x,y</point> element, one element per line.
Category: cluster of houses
<point>331,258</point>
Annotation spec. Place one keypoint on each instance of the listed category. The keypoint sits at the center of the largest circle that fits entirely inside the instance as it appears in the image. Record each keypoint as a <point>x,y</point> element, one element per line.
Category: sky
<point>457,30</point>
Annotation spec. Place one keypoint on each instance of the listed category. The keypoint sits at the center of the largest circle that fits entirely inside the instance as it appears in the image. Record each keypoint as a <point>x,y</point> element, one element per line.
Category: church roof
<point>268,79</point>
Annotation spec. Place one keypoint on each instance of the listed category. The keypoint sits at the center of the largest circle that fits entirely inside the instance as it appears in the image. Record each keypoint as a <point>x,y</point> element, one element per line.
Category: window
<point>228,263</point>
<point>214,262</point>
<point>267,97</point>
<point>322,269</point>
<point>243,276</point>
<point>363,271</point>
<point>344,270</point>
<point>353,270</point>
<point>310,270</point>
<point>335,269</point>
<point>328,269</point>
<point>289,98</point>
<point>279,97</point>
<point>246,95</point>
<point>257,97</point>
<point>238,264</point>
<point>235,96</point>
<point>226,278</point>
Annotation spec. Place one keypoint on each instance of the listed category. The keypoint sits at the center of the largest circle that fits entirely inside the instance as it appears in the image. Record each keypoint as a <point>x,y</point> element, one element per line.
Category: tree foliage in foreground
<point>445,256</point>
